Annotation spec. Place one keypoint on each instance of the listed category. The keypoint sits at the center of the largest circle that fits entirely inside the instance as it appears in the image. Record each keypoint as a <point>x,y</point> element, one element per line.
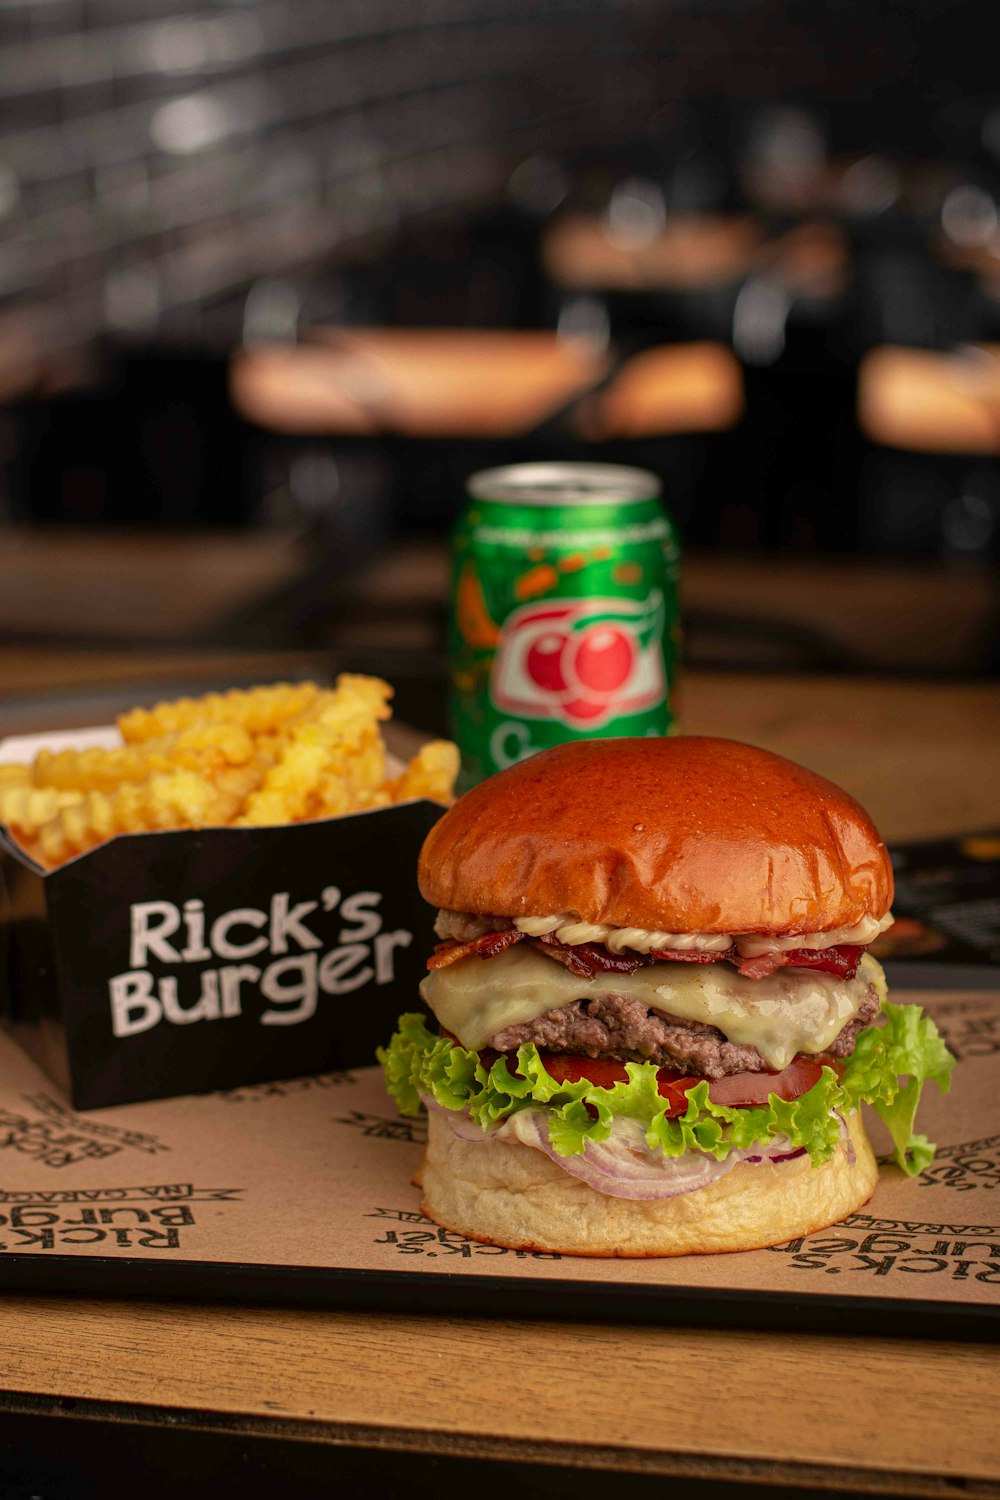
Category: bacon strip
<point>487,946</point>
<point>841,962</point>
<point>761,966</point>
<point>587,959</point>
<point>678,956</point>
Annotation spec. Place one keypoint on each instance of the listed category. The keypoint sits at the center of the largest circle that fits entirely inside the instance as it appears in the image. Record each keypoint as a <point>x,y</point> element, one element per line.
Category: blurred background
<point>277,275</point>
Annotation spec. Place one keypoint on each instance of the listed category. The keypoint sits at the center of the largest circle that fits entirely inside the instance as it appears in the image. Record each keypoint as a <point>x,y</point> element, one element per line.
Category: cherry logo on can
<point>581,661</point>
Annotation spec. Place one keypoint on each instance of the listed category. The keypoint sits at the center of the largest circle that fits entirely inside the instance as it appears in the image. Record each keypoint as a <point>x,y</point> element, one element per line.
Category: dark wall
<point>157,155</point>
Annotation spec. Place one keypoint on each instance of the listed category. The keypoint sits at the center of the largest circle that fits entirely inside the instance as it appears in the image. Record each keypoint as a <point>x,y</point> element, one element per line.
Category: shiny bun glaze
<point>687,834</point>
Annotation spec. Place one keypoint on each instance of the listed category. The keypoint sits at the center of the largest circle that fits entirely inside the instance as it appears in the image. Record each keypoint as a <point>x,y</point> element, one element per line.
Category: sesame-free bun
<point>505,1193</point>
<point>686,834</point>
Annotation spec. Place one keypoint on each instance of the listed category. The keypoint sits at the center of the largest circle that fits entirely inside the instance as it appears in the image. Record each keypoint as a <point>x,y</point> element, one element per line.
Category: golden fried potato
<point>181,799</point>
<point>91,770</point>
<point>431,773</point>
<point>369,798</point>
<point>355,701</point>
<point>336,748</point>
<point>258,709</point>
<point>26,808</point>
<point>248,758</point>
<point>201,747</point>
<point>284,794</point>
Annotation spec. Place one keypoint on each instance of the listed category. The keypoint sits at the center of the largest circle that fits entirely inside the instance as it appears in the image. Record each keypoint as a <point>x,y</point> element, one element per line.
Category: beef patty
<point>622,1027</point>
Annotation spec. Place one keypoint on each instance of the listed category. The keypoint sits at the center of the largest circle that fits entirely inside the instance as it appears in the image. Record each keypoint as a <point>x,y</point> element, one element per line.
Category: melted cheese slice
<point>791,1011</point>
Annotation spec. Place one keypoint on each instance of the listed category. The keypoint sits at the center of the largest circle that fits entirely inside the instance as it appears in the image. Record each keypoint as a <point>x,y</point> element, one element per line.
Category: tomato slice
<point>607,1071</point>
<point>741,1089</point>
<point>675,1090</point>
<point>604,1071</point>
<point>736,1090</point>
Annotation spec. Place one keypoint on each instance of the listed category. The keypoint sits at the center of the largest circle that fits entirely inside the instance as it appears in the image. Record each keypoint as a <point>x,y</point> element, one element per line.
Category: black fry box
<point>182,962</point>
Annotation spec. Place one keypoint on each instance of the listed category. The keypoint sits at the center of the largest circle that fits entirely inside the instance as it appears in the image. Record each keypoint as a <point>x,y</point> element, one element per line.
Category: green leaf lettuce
<point>888,1068</point>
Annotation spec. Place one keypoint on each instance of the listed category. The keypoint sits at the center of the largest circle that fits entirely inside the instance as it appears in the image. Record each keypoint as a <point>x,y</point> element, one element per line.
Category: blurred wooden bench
<point>926,401</point>
<point>482,384</point>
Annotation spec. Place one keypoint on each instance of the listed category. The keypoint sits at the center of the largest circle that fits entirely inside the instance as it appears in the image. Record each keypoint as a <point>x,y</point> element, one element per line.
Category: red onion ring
<point>777,1156</point>
<point>847,1145</point>
<point>619,1168</point>
<point>608,1167</point>
<point>461,1124</point>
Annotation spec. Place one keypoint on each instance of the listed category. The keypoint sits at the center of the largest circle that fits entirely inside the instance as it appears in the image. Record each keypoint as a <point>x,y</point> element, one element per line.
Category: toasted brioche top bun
<point>687,834</point>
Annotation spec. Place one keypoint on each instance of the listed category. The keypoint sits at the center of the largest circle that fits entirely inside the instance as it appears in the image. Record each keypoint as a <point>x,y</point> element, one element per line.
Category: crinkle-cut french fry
<point>354,700</point>
<point>13,774</point>
<point>337,742</point>
<point>178,799</point>
<point>357,759</point>
<point>263,756</point>
<point>371,797</point>
<point>431,773</point>
<point>202,747</point>
<point>237,783</point>
<point>351,778</point>
<point>284,794</point>
<point>90,770</point>
<point>27,808</point>
<point>258,709</point>
<point>334,798</point>
<point>205,746</point>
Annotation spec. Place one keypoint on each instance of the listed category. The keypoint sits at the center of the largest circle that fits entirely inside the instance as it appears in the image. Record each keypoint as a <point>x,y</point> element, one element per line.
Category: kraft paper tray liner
<point>302,1190</point>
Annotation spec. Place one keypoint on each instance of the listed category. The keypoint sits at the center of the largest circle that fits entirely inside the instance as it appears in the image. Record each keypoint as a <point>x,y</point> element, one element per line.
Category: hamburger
<point>655,1015</point>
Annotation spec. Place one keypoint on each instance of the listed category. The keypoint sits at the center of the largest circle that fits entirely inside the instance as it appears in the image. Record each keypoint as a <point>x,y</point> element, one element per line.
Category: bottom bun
<point>505,1193</point>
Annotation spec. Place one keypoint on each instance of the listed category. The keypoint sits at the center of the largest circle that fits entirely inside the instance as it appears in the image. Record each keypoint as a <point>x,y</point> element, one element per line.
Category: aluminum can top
<point>564,484</point>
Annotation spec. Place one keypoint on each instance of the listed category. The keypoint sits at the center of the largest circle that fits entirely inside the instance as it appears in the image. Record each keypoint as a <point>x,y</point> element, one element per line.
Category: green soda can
<point>564,621</point>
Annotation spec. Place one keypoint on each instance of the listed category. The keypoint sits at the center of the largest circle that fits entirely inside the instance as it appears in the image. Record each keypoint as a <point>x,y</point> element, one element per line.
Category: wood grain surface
<point>885,1416</point>
<point>121,584</point>
<point>648,1398</point>
<point>923,758</point>
<point>113,587</point>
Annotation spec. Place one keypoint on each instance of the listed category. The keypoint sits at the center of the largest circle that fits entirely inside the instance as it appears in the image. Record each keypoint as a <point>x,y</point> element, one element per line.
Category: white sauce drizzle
<point>571,929</point>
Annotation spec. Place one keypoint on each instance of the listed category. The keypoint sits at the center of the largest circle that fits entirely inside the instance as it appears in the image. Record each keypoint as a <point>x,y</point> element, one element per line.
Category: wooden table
<point>393,1395</point>
<point>180,590</point>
